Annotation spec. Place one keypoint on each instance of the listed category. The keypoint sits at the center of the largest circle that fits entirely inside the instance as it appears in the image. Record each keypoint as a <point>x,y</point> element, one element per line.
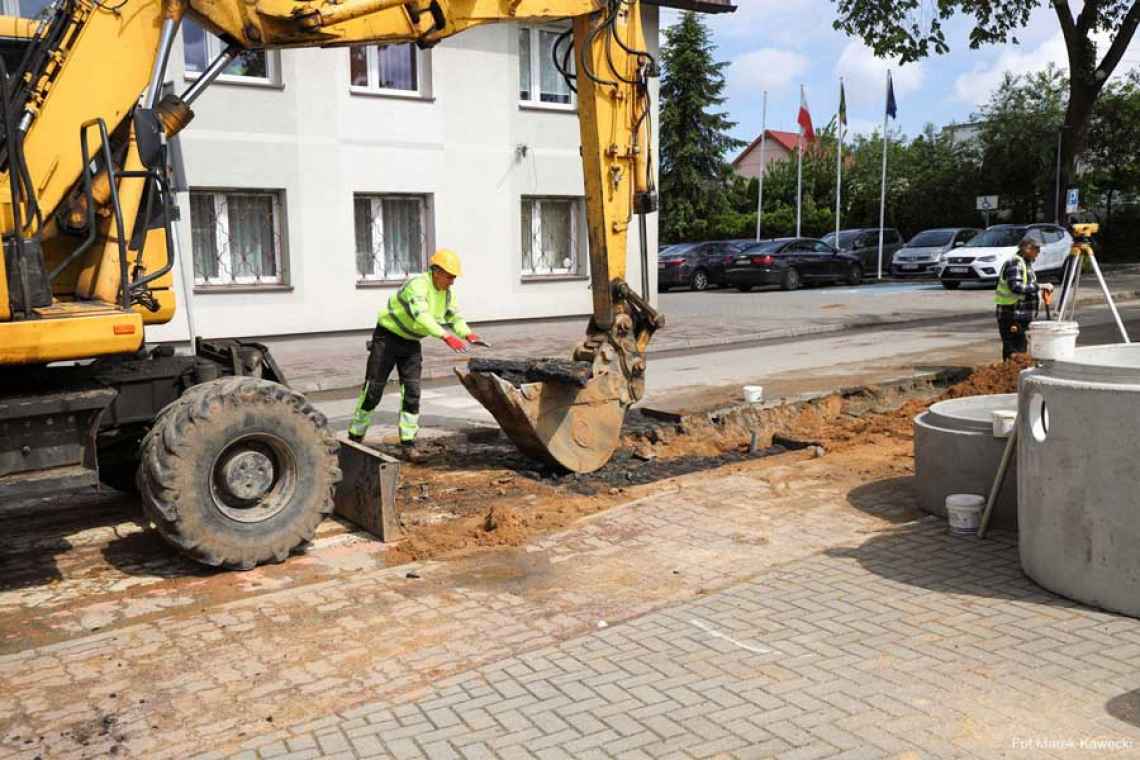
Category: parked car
<point>981,259</point>
<point>864,243</point>
<point>693,265</point>
<point>790,262</point>
<point>922,255</point>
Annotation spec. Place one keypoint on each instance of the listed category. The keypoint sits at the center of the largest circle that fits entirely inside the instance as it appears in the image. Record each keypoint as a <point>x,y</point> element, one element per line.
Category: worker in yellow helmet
<point>422,307</point>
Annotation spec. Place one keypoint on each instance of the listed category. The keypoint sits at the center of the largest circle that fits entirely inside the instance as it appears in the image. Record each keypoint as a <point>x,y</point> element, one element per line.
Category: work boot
<point>411,453</point>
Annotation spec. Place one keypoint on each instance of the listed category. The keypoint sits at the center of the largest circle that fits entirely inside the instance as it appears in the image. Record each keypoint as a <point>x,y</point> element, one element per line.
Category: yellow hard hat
<point>447,260</point>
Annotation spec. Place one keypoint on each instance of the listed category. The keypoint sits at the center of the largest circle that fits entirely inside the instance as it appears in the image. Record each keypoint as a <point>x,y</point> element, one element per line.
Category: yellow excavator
<point>232,466</point>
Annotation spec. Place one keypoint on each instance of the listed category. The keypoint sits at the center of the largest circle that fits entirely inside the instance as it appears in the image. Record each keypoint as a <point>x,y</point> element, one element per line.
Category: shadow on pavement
<point>146,553</point>
<point>893,499</point>
<point>920,552</point>
<point>37,531</point>
<point>1125,707</point>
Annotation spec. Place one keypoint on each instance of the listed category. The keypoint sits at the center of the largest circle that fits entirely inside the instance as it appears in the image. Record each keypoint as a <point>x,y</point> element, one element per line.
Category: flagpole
<point>883,191</point>
<point>800,173</point>
<point>763,165</point>
<point>838,160</point>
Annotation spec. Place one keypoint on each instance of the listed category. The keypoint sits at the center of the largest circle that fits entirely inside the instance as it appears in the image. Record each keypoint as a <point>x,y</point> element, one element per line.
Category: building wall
<point>751,163</point>
<point>318,143</point>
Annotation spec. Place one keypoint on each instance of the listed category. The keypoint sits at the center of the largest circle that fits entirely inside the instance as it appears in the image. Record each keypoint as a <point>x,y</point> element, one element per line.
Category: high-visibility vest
<point>1004,295</point>
<point>418,310</point>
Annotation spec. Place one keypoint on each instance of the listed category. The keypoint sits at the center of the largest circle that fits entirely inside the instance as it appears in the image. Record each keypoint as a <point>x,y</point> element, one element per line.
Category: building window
<point>199,47</point>
<point>237,237</point>
<point>389,69</point>
<point>25,8</point>
<point>540,82</point>
<point>552,240</point>
<point>391,235</point>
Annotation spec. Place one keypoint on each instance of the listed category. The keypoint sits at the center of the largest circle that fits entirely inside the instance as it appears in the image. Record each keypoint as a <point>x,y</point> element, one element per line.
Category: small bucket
<point>1003,421</point>
<point>1053,340</point>
<point>964,513</point>
<point>754,394</point>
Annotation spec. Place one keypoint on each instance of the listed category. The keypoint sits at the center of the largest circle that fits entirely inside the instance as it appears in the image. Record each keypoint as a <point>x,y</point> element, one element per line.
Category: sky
<point>779,45</point>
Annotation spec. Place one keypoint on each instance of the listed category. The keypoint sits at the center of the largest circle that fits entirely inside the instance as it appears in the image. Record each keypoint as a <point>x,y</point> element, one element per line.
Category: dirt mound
<point>991,379</point>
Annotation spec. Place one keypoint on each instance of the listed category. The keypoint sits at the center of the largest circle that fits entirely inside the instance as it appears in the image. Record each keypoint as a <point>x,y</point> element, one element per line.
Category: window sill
<point>265,84</point>
<point>529,278</point>
<point>367,284</point>
<point>243,288</point>
<point>392,94</point>
<point>531,105</point>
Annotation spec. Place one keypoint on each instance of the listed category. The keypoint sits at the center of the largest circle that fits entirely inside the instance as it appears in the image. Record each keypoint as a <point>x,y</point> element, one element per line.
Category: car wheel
<point>699,280</point>
<point>744,288</point>
<point>791,279</point>
<point>950,284</point>
<point>854,275</point>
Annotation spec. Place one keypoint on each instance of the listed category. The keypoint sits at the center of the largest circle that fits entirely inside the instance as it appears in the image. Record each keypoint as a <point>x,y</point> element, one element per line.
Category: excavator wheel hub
<point>248,475</point>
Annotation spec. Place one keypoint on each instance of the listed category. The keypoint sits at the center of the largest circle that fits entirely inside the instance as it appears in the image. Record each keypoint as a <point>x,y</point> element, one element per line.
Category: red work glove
<point>475,340</point>
<point>455,344</point>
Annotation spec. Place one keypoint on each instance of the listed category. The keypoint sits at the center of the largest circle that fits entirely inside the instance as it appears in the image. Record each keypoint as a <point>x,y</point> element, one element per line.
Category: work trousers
<point>1013,331</point>
<point>390,351</point>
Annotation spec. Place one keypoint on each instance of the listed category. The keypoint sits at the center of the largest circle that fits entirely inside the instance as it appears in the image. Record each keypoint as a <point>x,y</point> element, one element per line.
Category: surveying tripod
<point>1082,251</point>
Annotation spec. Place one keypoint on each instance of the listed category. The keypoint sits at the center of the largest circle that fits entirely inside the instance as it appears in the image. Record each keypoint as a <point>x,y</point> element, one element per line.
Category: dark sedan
<point>694,265</point>
<point>791,262</point>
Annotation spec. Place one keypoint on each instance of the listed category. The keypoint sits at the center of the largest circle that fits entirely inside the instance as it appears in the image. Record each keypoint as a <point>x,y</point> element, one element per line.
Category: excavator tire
<point>238,472</point>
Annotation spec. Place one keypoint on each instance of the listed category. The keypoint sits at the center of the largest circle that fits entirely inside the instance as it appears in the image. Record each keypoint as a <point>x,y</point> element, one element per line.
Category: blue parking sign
<point>1072,200</point>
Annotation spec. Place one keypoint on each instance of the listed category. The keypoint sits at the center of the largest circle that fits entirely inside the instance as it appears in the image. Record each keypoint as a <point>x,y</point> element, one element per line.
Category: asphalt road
<point>783,366</point>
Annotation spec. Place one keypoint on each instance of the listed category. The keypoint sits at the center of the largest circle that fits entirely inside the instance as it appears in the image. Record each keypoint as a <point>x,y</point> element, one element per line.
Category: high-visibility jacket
<point>418,310</point>
<point>1017,288</point>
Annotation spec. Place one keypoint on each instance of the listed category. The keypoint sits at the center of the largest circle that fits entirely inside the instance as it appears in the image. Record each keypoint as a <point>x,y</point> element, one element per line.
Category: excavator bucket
<point>572,425</point>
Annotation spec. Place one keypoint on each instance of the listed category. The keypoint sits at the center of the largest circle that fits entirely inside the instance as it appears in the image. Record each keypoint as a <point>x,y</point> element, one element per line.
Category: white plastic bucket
<point>964,513</point>
<point>1003,421</point>
<point>754,394</point>
<point>1053,340</point>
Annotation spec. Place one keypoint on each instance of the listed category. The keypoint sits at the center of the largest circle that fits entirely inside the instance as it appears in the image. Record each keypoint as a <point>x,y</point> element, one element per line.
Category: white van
<point>982,259</point>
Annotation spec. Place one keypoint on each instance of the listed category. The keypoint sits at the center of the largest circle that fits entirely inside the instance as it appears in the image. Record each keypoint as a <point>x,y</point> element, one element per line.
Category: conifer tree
<point>695,175</point>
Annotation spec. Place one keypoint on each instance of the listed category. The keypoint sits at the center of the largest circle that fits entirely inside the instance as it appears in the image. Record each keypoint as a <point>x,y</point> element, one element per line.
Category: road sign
<point>1073,201</point>
<point>987,202</point>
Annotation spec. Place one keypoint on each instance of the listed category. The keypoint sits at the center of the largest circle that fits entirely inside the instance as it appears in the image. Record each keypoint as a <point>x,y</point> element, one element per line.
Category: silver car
<point>922,256</point>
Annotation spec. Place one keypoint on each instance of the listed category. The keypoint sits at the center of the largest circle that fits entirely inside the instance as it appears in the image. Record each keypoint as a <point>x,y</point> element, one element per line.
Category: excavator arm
<point>85,120</point>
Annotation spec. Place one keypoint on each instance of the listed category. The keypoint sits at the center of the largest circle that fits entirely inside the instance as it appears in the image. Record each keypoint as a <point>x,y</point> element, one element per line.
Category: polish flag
<point>804,118</point>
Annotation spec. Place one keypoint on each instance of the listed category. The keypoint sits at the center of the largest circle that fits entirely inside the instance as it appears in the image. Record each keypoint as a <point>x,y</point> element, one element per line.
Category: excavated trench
<point>477,491</point>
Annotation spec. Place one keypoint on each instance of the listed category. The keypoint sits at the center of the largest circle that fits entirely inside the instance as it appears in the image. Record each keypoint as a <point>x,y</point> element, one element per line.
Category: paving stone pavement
<point>787,606</point>
<point>913,644</point>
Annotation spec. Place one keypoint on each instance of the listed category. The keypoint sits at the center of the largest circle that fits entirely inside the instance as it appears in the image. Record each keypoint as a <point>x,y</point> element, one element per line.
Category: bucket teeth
<point>577,428</point>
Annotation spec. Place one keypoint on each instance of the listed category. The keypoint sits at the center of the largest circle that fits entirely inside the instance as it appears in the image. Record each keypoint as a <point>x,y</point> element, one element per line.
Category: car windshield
<point>997,237</point>
<point>931,239</point>
<point>846,239</point>
<point>764,246</point>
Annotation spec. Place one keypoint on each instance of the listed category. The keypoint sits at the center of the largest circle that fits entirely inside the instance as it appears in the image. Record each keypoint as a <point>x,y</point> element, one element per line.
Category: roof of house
<point>786,140</point>
<point>703,6</point>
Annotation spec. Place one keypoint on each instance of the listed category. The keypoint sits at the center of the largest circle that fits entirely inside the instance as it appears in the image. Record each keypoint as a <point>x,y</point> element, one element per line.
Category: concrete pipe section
<point>1079,478</point>
<point>955,452</point>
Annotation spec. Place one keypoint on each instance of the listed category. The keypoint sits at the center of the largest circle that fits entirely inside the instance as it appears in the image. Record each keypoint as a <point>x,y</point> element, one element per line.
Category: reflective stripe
<point>361,419</point>
<point>409,423</point>
<point>1004,296</point>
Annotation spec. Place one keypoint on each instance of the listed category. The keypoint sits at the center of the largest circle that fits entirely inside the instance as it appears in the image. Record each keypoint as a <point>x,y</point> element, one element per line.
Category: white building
<point>320,178</point>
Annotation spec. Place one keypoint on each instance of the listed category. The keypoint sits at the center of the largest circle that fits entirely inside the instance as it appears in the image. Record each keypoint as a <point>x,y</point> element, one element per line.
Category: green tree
<point>696,179</point>
<point>942,179</point>
<point>1019,142</point>
<point>913,29</point>
<point>1113,156</point>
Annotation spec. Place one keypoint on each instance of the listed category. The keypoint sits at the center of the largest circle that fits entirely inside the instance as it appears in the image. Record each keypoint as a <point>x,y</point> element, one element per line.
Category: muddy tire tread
<point>164,460</point>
